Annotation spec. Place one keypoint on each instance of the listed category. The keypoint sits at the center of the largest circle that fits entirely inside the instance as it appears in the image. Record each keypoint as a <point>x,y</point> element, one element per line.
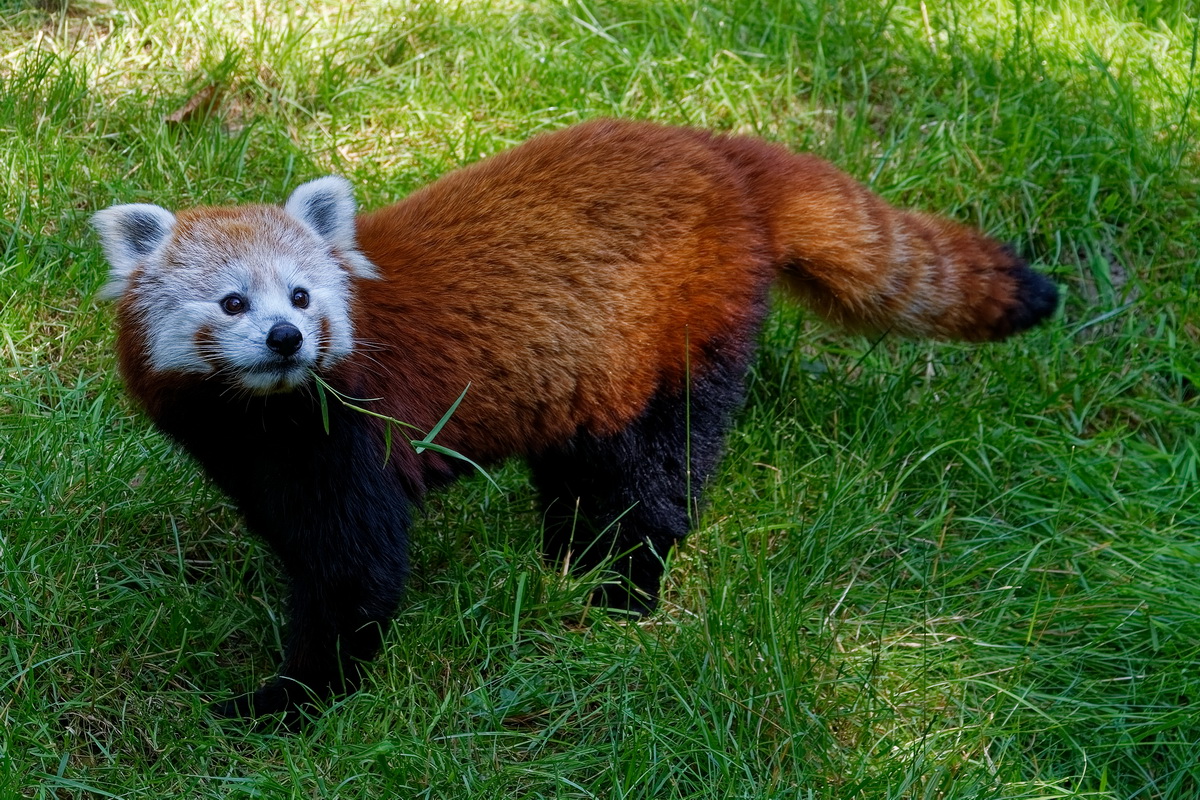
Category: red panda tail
<point>865,265</point>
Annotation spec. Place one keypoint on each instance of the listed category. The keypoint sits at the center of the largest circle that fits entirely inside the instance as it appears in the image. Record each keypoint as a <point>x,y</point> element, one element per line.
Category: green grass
<point>925,571</point>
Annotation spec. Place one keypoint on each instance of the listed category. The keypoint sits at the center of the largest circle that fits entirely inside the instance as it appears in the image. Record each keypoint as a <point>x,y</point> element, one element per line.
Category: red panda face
<point>255,296</point>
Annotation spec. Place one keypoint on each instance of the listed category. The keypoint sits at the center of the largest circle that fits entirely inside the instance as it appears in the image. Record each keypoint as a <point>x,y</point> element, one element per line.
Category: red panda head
<point>256,296</point>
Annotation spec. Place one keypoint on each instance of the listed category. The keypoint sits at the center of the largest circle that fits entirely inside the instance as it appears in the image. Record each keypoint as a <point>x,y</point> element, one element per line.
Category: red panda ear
<point>129,234</point>
<point>327,206</point>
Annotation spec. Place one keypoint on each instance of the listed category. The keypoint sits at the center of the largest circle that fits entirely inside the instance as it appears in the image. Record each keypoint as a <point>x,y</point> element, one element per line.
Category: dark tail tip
<point>1035,298</point>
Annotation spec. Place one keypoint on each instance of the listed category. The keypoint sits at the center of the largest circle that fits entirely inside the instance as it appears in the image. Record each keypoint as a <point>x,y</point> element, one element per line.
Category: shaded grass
<point>924,571</point>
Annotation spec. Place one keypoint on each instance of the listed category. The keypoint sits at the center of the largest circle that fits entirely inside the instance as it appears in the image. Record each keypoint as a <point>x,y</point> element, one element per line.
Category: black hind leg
<point>623,501</point>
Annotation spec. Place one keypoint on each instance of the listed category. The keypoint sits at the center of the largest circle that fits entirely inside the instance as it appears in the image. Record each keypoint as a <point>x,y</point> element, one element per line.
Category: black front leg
<point>334,629</point>
<point>337,514</point>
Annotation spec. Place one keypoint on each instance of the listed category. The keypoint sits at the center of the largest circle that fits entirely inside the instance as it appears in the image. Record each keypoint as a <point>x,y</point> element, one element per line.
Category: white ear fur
<point>128,234</point>
<point>327,206</point>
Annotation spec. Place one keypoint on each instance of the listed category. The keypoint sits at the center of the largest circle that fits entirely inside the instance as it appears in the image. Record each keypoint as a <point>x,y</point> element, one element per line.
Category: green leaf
<point>420,445</point>
<point>324,401</point>
<point>446,451</point>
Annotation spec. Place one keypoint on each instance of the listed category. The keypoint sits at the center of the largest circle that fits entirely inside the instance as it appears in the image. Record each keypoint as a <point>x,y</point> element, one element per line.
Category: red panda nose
<point>284,338</point>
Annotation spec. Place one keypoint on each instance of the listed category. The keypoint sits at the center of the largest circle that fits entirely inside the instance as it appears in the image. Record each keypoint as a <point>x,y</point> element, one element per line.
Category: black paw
<point>624,599</point>
<point>280,696</point>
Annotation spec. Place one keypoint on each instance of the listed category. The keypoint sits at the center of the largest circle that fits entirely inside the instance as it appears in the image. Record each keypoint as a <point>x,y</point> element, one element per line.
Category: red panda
<point>600,289</point>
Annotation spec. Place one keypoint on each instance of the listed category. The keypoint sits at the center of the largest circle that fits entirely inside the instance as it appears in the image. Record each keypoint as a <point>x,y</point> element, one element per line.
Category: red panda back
<point>567,280</point>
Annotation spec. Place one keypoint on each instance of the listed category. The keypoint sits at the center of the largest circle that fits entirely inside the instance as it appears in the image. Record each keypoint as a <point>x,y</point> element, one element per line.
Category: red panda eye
<point>300,298</point>
<point>233,304</point>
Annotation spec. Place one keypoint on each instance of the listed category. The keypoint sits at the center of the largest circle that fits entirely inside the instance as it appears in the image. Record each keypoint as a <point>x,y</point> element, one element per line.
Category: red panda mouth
<point>281,375</point>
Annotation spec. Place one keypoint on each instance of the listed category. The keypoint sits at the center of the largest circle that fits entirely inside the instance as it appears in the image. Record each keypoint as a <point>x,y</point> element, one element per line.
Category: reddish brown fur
<point>152,389</point>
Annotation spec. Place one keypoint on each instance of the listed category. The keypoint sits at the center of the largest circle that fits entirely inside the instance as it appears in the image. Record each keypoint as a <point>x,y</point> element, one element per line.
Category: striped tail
<point>865,265</point>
